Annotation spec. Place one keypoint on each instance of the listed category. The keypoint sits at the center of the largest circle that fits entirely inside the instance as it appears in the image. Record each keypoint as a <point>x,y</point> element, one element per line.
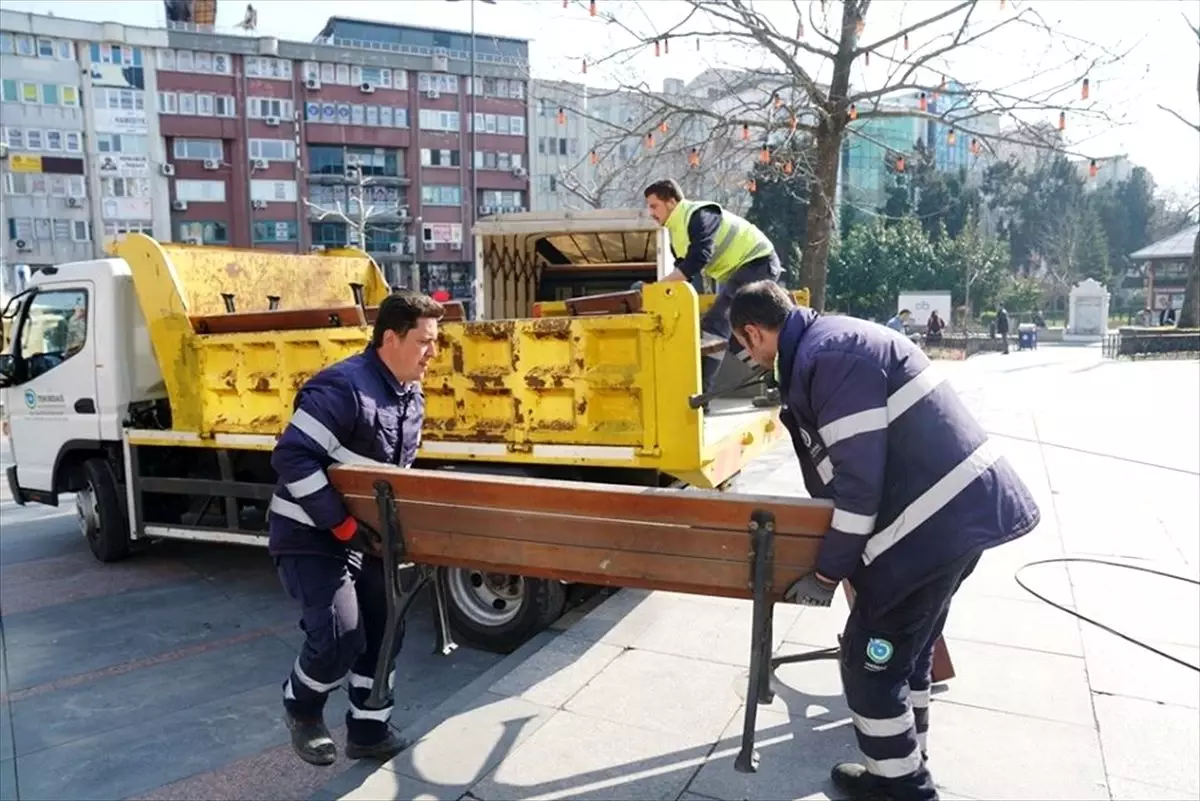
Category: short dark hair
<point>666,189</point>
<point>762,303</point>
<point>905,311</point>
<point>400,312</point>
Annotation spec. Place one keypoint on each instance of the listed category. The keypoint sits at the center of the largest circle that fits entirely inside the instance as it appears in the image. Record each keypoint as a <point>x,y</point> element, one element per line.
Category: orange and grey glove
<point>358,535</point>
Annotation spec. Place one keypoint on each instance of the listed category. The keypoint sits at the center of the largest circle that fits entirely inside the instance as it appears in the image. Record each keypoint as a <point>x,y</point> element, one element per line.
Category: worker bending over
<point>367,409</point>
<point>919,493</point>
<point>725,247</point>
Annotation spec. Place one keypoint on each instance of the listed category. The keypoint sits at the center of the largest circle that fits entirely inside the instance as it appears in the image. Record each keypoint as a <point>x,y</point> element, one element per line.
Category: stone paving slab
<point>1151,743</point>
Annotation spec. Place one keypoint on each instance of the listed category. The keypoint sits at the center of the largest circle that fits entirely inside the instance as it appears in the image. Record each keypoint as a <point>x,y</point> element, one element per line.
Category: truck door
<point>51,397</point>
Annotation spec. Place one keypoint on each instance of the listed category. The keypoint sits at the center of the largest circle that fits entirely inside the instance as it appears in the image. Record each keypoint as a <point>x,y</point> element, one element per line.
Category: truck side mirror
<point>8,367</point>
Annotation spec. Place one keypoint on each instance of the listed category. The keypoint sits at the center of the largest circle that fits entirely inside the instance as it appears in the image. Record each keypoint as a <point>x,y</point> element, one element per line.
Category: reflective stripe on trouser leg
<point>305,696</point>
<point>369,726</point>
<point>366,726</point>
<point>919,698</point>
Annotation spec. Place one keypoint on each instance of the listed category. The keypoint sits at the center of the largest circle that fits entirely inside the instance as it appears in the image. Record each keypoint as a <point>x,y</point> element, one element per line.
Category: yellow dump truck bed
<point>605,390</point>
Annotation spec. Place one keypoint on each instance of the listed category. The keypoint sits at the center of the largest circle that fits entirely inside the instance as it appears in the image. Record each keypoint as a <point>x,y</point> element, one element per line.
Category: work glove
<point>359,536</point>
<point>810,590</point>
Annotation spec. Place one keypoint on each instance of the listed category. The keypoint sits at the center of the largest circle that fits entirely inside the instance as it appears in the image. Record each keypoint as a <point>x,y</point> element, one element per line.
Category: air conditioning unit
<point>259,164</point>
<point>194,240</point>
<point>366,88</point>
<point>272,121</point>
<point>396,247</point>
<point>519,172</point>
<point>179,205</point>
<point>485,210</point>
<point>432,94</point>
<point>430,246</point>
<point>167,169</point>
<point>402,212</point>
<point>212,164</point>
<point>74,202</point>
<point>456,245</point>
<point>317,249</point>
<point>441,59</point>
<point>259,204</point>
<point>312,83</point>
<point>22,245</point>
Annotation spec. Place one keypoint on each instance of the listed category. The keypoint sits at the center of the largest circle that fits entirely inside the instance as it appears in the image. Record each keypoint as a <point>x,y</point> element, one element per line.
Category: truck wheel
<point>101,512</point>
<point>496,611</point>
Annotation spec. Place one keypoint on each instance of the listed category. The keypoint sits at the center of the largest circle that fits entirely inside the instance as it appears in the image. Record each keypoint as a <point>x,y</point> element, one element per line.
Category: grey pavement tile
<point>815,626</point>
<point>1023,682</point>
<point>7,741</point>
<point>161,750</point>
<point>463,749</point>
<point>112,702</point>
<point>661,692</point>
<point>8,780</point>
<point>1128,790</point>
<point>622,618</point>
<point>1138,604</point>
<point>1107,530</point>
<point>40,534</point>
<point>578,757</point>
<point>807,689</point>
<point>59,641</point>
<point>1117,667</point>
<point>1021,624</point>
<point>981,753</point>
<point>558,671</point>
<point>795,755</point>
<point>383,785</point>
<point>996,577</point>
<point>1152,743</point>
<point>717,632</point>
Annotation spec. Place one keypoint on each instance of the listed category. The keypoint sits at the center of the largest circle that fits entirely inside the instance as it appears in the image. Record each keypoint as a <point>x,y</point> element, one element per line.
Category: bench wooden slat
<point>278,320</point>
<point>611,303</point>
<point>696,508</point>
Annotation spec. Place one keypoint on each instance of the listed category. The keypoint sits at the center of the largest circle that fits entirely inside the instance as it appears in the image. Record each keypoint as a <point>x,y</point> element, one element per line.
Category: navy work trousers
<point>343,615</point>
<point>716,320</point>
<point>886,665</point>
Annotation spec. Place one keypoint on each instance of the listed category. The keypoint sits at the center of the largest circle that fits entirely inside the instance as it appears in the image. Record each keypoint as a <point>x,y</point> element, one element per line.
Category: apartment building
<point>372,134</point>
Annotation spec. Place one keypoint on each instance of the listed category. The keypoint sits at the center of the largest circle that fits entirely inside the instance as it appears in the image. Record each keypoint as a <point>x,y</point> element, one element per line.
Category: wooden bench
<point>699,542</point>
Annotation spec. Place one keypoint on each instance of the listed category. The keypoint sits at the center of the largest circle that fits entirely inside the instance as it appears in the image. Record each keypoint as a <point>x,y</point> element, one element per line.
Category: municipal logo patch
<point>879,651</point>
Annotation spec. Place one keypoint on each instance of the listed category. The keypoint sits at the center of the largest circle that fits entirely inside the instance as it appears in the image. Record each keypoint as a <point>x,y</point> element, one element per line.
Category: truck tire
<point>499,612</point>
<point>100,511</point>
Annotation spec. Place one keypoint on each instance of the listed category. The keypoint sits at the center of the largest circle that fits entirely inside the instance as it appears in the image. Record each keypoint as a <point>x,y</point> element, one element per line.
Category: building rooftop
<point>332,21</point>
<point>1178,245</point>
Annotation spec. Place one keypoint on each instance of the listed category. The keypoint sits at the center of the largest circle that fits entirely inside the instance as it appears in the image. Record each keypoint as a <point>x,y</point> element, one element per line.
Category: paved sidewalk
<point>643,698</point>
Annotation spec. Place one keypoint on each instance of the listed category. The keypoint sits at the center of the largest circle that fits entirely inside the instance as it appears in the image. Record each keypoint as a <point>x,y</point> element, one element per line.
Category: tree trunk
<point>822,203</point>
<point>1189,315</point>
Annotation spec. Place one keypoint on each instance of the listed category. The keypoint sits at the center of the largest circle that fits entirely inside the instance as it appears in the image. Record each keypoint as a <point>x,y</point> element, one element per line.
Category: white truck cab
<point>71,367</point>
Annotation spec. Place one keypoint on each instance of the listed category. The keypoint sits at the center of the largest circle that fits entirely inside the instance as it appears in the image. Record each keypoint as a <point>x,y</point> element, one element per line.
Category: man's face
<point>761,344</point>
<point>660,209</point>
<point>407,356</point>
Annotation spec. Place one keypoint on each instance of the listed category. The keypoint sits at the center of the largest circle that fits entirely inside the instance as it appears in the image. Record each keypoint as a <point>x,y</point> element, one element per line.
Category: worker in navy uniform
<point>718,243</point>
<point>367,409</point>
<point>919,492</point>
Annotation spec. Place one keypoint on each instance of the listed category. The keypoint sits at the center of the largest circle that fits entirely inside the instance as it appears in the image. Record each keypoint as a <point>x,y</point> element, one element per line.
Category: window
<point>33,139</point>
<point>187,103</point>
<point>439,158</point>
<point>263,67</point>
<point>9,92</point>
<point>70,95</point>
<point>25,46</point>
<point>81,230</point>
<point>434,120</point>
<point>45,48</point>
<point>259,108</point>
<point>438,82</point>
<point>15,183</point>
<point>275,231</point>
<point>66,50</point>
<point>200,191</point>
<point>328,73</point>
<point>372,115</point>
<point>54,329</point>
<point>20,228</point>
<point>54,141</point>
<point>222,64</point>
<point>225,106</point>
<point>204,62</point>
<point>208,233</point>
<point>8,44</point>
<point>76,186</point>
<point>166,60</point>
<point>516,126</point>
<point>343,74</point>
<point>168,103</point>
<point>73,142</point>
<point>441,195</point>
<point>356,115</point>
<point>441,232</point>
<point>127,99</point>
<point>121,143</point>
<point>197,149</point>
<point>385,116</point>
<point>62,230</point>
<point>124,187</point>
<point>273,191</point>
<point>114,229</point>
<point>376,76</point>
<point>184,60</point>
<point>503,199</point>
<point>29,93</point>
<point>14,138</point>
<point>204,104</point>
<point>273,149</point>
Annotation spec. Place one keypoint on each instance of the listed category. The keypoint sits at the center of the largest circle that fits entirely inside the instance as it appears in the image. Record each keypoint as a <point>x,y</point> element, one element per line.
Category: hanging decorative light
<point>657,49</point>
<point>792,122</point>
<point>592,8</point>
<point>585,66</point>
<point>666,45</point>
<point>752,185</point>
<point>951,137</point>
<point>867,59</point>
<point>900,164</point>
<point>562,116</point>
<point>860,26</point>
<point>1085,89</point>
<point>694,158</point>
<point>787,167</point>
<point>662,126</point>
<point>764,155</point>
<point>650,139</point>
<point>906,41</point>
<point>566,3</point>
<point>1062,120</point>
<point>922,103</point>
<point>697,44</point>
<point>778,100</point>
<point>800,28</point>
<point>745,132</point>
<point>853,111</point>
<point>594,158</point>
<point>1093,169</point>
<point>1003,3</point>
<point>975,147</point>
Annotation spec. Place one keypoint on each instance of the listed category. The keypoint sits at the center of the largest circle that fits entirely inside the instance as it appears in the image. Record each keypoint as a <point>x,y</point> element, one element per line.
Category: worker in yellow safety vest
<point>725,247</point>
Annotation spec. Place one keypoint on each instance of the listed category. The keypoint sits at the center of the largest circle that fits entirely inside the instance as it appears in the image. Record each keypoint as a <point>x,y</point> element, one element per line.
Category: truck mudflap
<point>698,542</point>
<point>14,488</point>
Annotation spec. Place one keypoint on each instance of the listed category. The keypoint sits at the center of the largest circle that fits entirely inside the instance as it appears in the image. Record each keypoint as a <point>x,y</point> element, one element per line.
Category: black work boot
<point>854,779</point>
<point>385,749</point>
<point>311,740</point>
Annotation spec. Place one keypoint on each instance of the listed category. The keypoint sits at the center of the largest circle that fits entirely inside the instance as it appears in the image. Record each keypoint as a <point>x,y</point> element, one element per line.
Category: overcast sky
<point>1160,68</point>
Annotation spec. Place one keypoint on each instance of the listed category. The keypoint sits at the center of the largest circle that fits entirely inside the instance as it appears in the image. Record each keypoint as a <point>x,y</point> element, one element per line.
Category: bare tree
<point>812,49</point>
<point>360,213</point>
<point>1189,315</point>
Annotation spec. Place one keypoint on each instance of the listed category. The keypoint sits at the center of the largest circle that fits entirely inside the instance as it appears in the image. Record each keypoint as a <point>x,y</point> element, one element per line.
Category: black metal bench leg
<point>762,537</point>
